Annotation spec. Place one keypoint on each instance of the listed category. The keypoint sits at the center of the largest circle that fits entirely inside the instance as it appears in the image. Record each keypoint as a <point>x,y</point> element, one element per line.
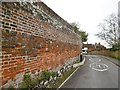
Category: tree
<point>75,26</point>
<point>83,34</point>
<point>109,30</point>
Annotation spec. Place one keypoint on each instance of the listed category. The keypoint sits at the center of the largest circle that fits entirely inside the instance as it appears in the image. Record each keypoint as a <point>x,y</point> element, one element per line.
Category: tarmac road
<point>97,72</point>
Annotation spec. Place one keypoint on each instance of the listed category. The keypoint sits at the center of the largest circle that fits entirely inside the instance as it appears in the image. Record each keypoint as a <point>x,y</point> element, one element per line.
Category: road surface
<point>97,72</point>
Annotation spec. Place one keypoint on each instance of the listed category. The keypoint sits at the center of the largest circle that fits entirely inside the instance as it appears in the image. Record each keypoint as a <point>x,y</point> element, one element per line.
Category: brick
<point>6,20</point>
<point>14,19</point>
<point>6,66</point>
<point>12,62</point>
<point>6,72</point>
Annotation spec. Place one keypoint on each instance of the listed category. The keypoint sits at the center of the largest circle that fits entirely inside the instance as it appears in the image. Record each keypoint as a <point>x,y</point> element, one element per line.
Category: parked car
<point>85,51</point>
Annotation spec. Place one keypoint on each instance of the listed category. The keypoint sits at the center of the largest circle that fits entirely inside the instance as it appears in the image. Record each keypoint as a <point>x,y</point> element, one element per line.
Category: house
<point>93,47</point>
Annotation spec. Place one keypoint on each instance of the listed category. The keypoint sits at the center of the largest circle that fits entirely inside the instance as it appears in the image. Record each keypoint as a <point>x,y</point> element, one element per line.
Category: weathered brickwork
<point>34,38</point>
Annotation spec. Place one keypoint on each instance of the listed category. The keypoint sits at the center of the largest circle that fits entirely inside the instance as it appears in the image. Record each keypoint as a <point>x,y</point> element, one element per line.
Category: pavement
<point>115,61</point>
<point>79,64</point>
<point>97,72</point>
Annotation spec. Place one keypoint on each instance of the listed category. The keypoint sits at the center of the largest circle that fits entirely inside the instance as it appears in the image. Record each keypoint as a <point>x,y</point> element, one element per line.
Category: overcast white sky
<point>89,13</point>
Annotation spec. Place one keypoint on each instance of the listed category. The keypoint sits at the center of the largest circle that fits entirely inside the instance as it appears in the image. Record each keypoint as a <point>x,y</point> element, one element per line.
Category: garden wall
<point>33,39</point>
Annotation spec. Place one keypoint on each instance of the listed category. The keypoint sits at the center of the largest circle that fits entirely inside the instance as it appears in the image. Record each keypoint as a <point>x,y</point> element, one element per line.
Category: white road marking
<point>99,66</point>
<point>99,60</point>
<point>90,65</point>
<point>105,65</point>
<point>99,69</point>
<point>90,60</point>
<point>67,79</point>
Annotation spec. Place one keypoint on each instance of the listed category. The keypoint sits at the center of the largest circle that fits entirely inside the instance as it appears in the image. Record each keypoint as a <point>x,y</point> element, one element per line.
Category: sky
<point>88,13</point>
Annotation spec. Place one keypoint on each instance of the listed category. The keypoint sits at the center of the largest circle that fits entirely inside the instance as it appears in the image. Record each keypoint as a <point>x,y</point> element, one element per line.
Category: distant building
<point>99,47</point>
<point>89,46</point>
<point>93,47</point>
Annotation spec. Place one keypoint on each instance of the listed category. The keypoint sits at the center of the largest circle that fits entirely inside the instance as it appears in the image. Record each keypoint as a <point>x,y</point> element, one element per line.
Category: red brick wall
<point>30,44</point>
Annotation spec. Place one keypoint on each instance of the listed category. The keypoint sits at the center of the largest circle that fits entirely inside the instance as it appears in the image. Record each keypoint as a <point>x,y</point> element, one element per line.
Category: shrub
<point>30,83</point>
<point>46,75</point>
<point>34,82</point>
<point>53,74</point>
<point>26,83</point>
<point>24,86</point>
<point>27,77</point>
<point>115,47</point>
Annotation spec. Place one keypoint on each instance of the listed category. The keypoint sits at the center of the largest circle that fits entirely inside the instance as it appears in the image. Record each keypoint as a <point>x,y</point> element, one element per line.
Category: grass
<point>59,81</point>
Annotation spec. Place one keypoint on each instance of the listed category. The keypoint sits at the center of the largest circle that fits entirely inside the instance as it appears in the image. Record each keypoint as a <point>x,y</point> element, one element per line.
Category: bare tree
<point>109,30</point>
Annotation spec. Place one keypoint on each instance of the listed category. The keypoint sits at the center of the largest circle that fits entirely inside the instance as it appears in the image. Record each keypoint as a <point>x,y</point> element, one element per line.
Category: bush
<point>46,75</point>
<point>30,83</point>
<point>115,47</point>
<point>27,77</point>
<point>24,86</point>
<point>53,74</point>
<point>34,82</point>
<point>26,83</point>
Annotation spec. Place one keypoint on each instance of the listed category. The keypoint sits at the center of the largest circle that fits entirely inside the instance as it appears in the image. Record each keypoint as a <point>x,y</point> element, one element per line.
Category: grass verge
<point>60,80</point>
